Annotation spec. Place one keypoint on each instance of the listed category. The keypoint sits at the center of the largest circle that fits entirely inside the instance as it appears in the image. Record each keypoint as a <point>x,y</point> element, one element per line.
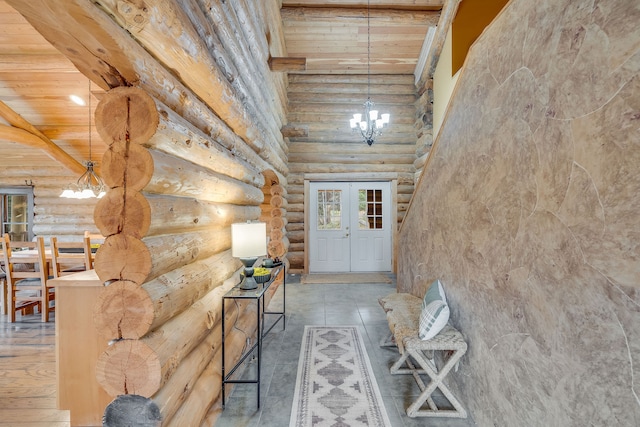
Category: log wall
<point>321,140</point>
<point>213,155</point>
<point>67,219</point>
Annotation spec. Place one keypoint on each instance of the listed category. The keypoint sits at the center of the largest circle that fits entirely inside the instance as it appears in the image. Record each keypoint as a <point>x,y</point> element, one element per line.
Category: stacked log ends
<point>132,407</point>
<point>278,222</point>
<point>123,310</point>
<point>126,114</point>
<point>278,202</point>
<point>123,211</point>
<point>126,117</point>
<point>139,164</point>
<point>123,257</point>
<point>276,234</point>
<point>278,242</point>
<point>275,212</point>
<point>278,190</point>
<point>140,363</point>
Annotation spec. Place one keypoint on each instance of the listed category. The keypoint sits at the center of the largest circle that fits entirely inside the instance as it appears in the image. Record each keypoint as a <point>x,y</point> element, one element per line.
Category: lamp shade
<point>248,239</point>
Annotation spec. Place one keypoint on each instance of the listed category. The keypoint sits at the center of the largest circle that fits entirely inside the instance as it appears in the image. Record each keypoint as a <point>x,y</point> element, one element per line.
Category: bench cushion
<point>435,311</point>
<point>403,315</point>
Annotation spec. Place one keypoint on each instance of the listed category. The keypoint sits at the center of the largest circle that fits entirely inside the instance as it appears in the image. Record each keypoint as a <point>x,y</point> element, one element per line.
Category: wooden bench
<point>403,315</point>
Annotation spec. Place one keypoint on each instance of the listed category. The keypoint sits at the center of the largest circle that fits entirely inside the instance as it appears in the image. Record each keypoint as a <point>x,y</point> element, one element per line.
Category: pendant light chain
<point>369,125</point>
<point>89,101</point>
<point>89,184</point>
<point>368,51</point>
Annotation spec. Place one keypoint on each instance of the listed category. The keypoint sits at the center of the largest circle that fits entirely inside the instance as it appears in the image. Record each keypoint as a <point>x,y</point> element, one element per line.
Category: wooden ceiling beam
<point>23,132</point>
<point>280,64</point>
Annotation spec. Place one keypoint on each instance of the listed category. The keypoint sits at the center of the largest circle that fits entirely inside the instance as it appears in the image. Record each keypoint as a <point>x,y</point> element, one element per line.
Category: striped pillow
<point>435,311</point>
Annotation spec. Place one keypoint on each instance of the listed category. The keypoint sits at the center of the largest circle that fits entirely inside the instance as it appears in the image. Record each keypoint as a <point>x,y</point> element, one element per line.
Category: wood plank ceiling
<point>332,34</point>
<point>36,80</point>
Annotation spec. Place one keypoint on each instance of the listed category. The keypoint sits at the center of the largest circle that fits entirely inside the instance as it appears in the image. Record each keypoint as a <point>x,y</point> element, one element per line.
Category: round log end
<point>130,410</point>
<point>123,257</point>
<point>277,190</point>
<point>276,249</point>
<point>126,113</point>
<point>123,310</point>
<point>276,201</point>
<point>127,165</point>
<point>277,222</point>
<point>276,212</point>
<point>276,234</point>
<point>123,211</point>
<point>129,367</point>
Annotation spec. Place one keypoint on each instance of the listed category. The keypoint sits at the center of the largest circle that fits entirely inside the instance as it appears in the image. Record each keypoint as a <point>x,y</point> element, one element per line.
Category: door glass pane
<point>15,216</point>
<point>369,209</point>
<point>329,210</point>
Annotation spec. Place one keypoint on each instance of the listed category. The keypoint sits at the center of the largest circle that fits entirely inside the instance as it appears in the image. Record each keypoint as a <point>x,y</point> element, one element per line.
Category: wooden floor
<point>28,374</point>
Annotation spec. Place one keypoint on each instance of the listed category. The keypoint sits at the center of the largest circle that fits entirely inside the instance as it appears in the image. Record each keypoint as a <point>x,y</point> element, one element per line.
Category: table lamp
<point>248,242</point>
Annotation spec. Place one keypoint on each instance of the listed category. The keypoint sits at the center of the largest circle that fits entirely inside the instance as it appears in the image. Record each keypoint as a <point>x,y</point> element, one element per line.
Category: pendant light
<point>89,184</point>
<point>368,123</point>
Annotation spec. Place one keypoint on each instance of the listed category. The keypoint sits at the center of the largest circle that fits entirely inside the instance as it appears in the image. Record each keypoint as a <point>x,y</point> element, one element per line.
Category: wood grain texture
<point>123,211</point>
<point>126,114</point>
<point>123,310</point>
<point>122,257</point>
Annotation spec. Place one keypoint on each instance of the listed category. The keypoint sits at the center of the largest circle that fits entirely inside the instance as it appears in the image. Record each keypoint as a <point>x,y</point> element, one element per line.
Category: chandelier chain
<point>89,184</point>
<point>89,102</point>
<point>368,51</point>
<point>369,124</point>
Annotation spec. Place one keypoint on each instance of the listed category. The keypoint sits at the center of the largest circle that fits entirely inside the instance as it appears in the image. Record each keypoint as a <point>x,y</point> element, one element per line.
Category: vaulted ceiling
<point>36,80</point>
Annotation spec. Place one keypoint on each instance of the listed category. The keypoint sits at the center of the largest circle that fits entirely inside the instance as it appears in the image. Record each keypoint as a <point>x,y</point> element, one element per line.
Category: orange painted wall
<point>472,18</point>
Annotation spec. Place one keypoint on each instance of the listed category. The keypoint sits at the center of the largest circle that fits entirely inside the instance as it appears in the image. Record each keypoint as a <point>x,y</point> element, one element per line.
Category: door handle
<point>346,235</point>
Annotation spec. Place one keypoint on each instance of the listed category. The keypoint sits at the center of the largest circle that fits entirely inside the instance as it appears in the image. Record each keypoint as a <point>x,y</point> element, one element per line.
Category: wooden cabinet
<point>78,347</point>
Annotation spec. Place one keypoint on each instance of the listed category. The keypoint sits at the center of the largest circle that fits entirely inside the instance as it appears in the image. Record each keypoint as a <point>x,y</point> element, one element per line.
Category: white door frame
<point>354,176</point>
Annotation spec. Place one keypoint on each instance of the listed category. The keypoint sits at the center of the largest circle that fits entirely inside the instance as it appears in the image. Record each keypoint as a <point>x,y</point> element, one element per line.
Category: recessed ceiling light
<point>77,100</point>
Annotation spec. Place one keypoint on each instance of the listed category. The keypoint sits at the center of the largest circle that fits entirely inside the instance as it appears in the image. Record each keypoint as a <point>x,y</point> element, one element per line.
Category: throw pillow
<point>435,311</point>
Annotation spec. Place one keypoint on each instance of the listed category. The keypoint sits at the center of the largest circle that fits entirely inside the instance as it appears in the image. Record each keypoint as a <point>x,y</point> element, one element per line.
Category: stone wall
<point>529,212</point>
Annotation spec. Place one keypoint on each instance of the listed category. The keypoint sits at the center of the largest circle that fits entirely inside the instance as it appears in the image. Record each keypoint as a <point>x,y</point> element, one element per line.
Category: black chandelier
<point>368,123</point>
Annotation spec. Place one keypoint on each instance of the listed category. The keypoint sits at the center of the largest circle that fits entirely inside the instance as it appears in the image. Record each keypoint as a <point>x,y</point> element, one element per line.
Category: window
<point>16,207</point>
<point>369,209</point>
<point>329,210</point>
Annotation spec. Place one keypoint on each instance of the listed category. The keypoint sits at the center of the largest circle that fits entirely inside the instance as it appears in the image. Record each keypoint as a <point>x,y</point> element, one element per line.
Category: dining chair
<point>70,257</point>
<point>27,273</point>
<point>3,286</point>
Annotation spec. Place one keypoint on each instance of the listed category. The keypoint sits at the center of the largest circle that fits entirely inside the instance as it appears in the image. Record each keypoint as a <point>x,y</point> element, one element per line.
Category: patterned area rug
<point>335,385</point>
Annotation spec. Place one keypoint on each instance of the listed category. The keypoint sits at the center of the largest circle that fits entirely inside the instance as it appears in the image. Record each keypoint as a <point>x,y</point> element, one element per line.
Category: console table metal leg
<point>223,373</point>
<point>260,314</point>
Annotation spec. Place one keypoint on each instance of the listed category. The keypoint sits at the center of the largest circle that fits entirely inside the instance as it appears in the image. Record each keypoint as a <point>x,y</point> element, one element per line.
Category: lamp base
<point>249,282</point>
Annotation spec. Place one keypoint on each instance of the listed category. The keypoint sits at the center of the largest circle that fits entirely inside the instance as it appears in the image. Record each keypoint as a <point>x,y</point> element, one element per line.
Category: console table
<point>258,296</point>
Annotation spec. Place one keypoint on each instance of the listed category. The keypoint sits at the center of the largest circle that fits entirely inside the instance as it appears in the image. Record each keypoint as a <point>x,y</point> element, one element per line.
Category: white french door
<point>349,227</point>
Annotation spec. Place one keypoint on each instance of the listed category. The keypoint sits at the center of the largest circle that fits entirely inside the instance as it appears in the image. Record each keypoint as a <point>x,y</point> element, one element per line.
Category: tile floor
<point>328,304</point>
